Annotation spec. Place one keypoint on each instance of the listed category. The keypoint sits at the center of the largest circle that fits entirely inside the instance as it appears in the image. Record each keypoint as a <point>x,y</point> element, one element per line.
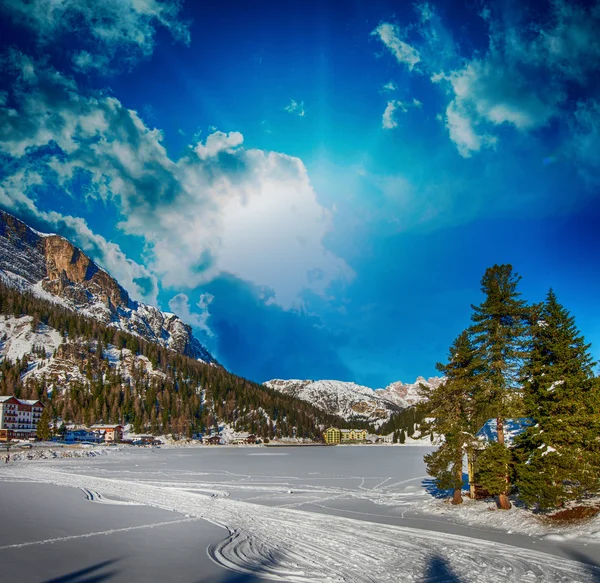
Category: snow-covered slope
<point>352,401</point>
<point>348,400</point>
<point>58,360</point>
<point>17,338</point>
<point>407,394</point>
<point>53,268</point>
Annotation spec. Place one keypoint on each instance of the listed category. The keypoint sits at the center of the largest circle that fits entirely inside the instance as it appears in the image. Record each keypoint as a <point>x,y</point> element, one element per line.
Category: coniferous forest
<point>517,362</point>
<point>163,392</point>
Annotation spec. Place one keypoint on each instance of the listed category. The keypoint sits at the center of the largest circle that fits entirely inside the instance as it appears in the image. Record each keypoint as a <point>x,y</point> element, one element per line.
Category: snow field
<point>295,546</point>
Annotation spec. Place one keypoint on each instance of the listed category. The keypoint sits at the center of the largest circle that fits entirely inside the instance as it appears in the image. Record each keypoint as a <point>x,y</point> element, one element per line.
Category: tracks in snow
<point>302,547</point>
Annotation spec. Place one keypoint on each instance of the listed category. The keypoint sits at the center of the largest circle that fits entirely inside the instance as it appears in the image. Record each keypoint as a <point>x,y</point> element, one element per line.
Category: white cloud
<point>490,93</point>
<point>425,11</point>
<point>462,133</point>
<point>218,142</point>
<point>388,120</point>
<point>523,79</point>
<point>295,107</point>
<point>180,305</point>
<point>110,32</point>
<point>389,87</point>
<point>389,34</point>
<point>220,209</point>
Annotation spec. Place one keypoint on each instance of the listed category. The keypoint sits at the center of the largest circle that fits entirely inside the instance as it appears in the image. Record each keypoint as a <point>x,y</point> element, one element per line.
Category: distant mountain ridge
<point>355,402</point>
<point>51,267</point>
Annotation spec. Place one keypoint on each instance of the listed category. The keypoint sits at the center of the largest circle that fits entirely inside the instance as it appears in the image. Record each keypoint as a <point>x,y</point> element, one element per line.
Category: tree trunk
<point>471,472</point>
<point>503,501</point>
<point>457,497</point>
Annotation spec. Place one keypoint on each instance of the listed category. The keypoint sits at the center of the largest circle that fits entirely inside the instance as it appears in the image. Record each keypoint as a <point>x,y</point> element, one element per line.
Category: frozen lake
<point>291,514</point>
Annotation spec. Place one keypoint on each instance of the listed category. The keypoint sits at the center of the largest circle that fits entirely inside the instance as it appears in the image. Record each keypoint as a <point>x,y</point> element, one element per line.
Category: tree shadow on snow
<point>438,571</point>
<point>591,566</point>
<point>432,489</point>
<point>430,486</point>
<point>93,574</point>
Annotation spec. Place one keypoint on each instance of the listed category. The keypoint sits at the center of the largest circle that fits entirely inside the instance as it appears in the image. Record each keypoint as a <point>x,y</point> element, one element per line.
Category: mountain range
<point>355,402</point>
<point>53,269</point>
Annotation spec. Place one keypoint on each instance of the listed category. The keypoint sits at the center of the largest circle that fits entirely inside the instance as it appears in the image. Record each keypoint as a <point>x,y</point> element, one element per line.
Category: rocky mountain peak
<point>51,266</point>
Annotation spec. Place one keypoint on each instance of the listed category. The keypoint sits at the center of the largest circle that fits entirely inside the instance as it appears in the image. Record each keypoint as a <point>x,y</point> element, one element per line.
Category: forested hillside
<point>89,372</point>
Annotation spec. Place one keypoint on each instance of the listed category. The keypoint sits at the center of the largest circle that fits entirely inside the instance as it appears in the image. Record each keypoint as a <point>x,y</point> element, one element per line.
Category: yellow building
<point>332,436</point>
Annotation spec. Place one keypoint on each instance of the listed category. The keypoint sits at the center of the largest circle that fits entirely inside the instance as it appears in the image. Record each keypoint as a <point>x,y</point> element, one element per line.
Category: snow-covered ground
<point>331,514</point>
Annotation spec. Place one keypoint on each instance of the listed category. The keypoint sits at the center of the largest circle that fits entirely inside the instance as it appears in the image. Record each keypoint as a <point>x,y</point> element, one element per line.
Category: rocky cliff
<point>52,267</point>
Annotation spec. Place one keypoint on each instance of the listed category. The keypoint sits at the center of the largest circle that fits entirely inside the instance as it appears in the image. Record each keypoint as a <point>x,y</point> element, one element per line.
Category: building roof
<point>105,426</point>
<point>4,398</point>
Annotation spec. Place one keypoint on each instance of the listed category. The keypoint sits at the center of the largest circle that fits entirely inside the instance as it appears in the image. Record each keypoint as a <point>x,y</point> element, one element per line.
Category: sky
<point>317,188</point>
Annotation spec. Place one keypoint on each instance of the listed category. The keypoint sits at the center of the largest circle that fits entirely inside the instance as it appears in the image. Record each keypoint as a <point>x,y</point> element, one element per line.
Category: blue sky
<point>316,187</point>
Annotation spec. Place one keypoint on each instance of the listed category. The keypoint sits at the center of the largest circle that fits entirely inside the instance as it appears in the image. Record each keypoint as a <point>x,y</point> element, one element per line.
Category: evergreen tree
<point>558,457</point>
<point>499,328</point>
<point>43,427</point>
<point>453,408</point>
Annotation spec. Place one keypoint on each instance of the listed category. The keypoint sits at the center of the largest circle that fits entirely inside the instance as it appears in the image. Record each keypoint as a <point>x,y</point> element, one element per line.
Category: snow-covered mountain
<point>51,267</point>
<point>351,401</point>
<point>407,394</point>
<point>57,361</point>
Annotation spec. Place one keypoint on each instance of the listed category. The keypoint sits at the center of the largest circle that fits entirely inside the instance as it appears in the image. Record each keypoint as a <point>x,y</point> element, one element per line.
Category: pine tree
<point>500,325</point>
<point>453,408</point>
<point>559,455</point>
<point>43,427</point>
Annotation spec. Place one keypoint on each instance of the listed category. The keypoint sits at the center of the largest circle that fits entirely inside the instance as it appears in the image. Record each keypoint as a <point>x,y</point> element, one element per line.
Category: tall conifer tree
<point>43,430</point>
<point>499,327</point>
<point>559,455</point>
<point>453,407</point>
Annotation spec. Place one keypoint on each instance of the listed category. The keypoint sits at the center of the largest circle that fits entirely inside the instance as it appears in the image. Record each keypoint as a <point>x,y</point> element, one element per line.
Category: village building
<point>389,438</point>
<point>212,440</point>
<point>19,418</point>
<point>333,435</point>
<point>242,437</point>
<point>353,435</point>
<point>83,435</point>
<point>108,433</point>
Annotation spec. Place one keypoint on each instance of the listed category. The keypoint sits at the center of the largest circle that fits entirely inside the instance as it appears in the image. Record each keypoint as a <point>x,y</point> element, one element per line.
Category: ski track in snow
<point>97,498</point>
<point>50,541</point>
<point>303,547</point>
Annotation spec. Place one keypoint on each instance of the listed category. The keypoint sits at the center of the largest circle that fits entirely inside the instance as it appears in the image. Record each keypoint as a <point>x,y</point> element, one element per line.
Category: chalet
<point>108,433</point>
<point>212,440</point>
<point>19,417</point>
<point>242,437</point>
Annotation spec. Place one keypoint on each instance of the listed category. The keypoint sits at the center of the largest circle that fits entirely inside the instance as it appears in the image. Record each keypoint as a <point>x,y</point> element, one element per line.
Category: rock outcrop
<point>52,267</point>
